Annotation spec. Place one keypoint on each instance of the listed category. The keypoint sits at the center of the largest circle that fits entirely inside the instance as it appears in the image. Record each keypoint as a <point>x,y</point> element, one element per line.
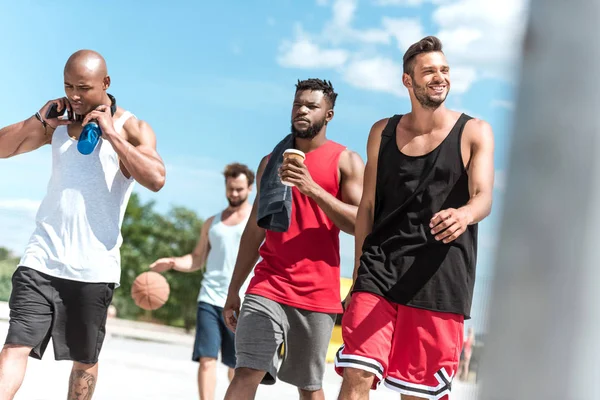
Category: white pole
<point>544,330</point>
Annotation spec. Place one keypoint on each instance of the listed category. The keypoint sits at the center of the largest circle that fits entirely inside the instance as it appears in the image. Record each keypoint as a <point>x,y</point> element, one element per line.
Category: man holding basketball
<point>428,182</point>
<point>294,295</point>
<point>64,283</point>
<point>217,249</point>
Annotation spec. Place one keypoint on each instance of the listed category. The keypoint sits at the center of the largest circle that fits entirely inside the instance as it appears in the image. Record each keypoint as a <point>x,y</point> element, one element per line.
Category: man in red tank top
<point>294,295</point>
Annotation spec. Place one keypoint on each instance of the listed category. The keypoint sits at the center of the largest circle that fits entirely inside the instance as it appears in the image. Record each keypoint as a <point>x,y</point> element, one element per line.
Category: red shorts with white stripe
<point>414,351</point>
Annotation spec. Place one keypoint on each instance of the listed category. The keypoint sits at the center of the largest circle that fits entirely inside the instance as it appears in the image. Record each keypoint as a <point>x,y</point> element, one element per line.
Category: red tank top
<point>301,267</point>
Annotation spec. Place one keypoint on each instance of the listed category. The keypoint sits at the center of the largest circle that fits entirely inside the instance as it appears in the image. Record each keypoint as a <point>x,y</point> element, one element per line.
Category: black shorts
<point>72,313</point>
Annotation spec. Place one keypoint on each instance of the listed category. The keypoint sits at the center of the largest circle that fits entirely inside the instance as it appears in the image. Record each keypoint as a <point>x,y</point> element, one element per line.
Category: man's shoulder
<point>477,129</point>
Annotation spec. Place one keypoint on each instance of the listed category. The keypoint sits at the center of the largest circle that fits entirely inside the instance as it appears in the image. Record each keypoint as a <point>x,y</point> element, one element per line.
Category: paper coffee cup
<point>293,153</point>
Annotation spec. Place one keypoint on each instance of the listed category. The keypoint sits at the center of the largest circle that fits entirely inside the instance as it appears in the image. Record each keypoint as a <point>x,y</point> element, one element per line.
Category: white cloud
<point>339,30</point>
<point>484,34</point>
<point>482,39</point>
<point>27,205</point>
<point>343,12</point>
<point>378,74</point>
<point>406,31</point>
<point>399,2</point>
<point>303,53</point>
<point>505,104</point>
<point>461,79</point>
<point>407,3</point>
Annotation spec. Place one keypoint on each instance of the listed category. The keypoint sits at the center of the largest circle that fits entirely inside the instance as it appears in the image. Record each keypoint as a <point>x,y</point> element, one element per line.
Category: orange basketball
<point>150,290</point>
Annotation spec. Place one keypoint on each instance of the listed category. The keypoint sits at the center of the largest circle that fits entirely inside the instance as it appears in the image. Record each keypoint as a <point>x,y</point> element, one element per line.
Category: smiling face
<point>429,81</point>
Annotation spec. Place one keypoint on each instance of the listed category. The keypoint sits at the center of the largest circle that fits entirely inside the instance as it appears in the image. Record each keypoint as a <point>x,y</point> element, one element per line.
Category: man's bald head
<point>86,81</point>
<point>87,62</point>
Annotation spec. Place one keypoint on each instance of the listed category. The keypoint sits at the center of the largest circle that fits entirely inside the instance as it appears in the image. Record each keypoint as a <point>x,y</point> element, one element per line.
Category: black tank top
<point>401,260</point>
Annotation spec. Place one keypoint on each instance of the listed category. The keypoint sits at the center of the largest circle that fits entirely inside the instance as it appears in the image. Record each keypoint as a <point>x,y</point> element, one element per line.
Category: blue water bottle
<point>90,135</point>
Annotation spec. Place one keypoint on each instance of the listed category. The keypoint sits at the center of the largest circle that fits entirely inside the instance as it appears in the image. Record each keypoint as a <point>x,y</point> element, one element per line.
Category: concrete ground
<point>144,361</point>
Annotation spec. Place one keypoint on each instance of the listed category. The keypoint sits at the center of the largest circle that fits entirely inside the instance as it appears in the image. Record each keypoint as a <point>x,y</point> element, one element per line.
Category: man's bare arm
<point>365,215</point>
<point>194,261</point>
<point>136,148</point>
<point>449,224</point>
<point>138,155</point>
<point>197,259</point>
<point>343,212</point>
<point>481,171</point>
<point>30,134</point>
<point>250,242</point>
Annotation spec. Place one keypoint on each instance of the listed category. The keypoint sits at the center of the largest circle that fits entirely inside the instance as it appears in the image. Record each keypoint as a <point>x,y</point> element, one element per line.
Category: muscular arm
<point>197,259</point>
<point>364,218</point>
<point>31,134</point>
<point>23,137</point>
<point>343,213</point>
<point>138,155</point>
<point>250,242</point>
<point>480,170</point>
<point>449,224</point>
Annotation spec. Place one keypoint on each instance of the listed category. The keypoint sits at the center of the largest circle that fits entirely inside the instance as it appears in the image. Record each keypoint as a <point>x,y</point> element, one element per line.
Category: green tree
<point>148,235</point>
<point>8,264</point>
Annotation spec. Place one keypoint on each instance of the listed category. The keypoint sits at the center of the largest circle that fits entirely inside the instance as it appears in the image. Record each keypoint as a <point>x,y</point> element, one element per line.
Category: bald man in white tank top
<point>216,253</point>
<point>64,282</point>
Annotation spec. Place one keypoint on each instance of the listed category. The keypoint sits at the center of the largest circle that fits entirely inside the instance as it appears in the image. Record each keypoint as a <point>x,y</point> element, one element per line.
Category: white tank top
<point>78,224</point>
<point>224,245</point>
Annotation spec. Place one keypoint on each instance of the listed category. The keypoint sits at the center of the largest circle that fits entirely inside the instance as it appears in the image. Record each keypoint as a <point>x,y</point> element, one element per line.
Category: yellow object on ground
<point>336,336</point>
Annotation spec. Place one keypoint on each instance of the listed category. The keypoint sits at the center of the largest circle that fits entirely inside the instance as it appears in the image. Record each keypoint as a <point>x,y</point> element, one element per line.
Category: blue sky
<point>216,82</point>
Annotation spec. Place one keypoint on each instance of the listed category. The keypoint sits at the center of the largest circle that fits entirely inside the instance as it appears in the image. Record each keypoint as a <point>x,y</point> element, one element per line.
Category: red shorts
<point>414,351</point>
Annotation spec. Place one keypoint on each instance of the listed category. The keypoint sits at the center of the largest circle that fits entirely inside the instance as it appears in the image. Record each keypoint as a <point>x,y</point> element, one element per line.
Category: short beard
<point>425,100</point>
<point>237,203</point>
<point>312,131</point>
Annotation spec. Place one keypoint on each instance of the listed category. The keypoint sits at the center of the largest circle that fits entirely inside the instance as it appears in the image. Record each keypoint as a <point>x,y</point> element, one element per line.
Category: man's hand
<point>162,264</point>
<point>103,117</point>
<point>62,105</point>
<point>294,171</point>
<point>231,310</point>
<point>347,301</point>
<point>449,224</point>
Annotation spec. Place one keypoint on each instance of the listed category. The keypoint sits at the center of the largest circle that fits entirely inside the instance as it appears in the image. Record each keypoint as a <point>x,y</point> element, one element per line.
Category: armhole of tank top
<point>121,121</point>
<point>338,172</point>
<point>461,129</point>
<point>60,129</point>
<point>386,138</point>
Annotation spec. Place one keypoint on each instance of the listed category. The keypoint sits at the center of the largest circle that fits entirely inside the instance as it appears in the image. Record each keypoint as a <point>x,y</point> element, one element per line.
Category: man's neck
<point>106,101</point>
<point>424,120</point>
<point>238,209</point>
<point>308,145</point>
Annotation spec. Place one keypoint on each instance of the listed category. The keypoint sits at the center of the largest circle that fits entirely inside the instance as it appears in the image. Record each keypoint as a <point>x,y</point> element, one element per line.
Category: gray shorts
<point>262,327</point>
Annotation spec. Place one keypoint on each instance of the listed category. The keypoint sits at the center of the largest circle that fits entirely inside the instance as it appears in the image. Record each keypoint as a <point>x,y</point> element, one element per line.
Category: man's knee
<point>207,363</point>
<point>249,376</point>
<point>84,366</point>
<point>311,394</point>
<point>15,351</point>
<point>355,376</point>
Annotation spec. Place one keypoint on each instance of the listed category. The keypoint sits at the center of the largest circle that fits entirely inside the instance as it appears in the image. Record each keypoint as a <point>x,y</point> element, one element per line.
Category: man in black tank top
<point>428,182</point>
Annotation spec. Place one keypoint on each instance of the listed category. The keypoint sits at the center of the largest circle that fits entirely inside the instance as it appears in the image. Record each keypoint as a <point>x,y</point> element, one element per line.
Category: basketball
<point>150,290</point>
